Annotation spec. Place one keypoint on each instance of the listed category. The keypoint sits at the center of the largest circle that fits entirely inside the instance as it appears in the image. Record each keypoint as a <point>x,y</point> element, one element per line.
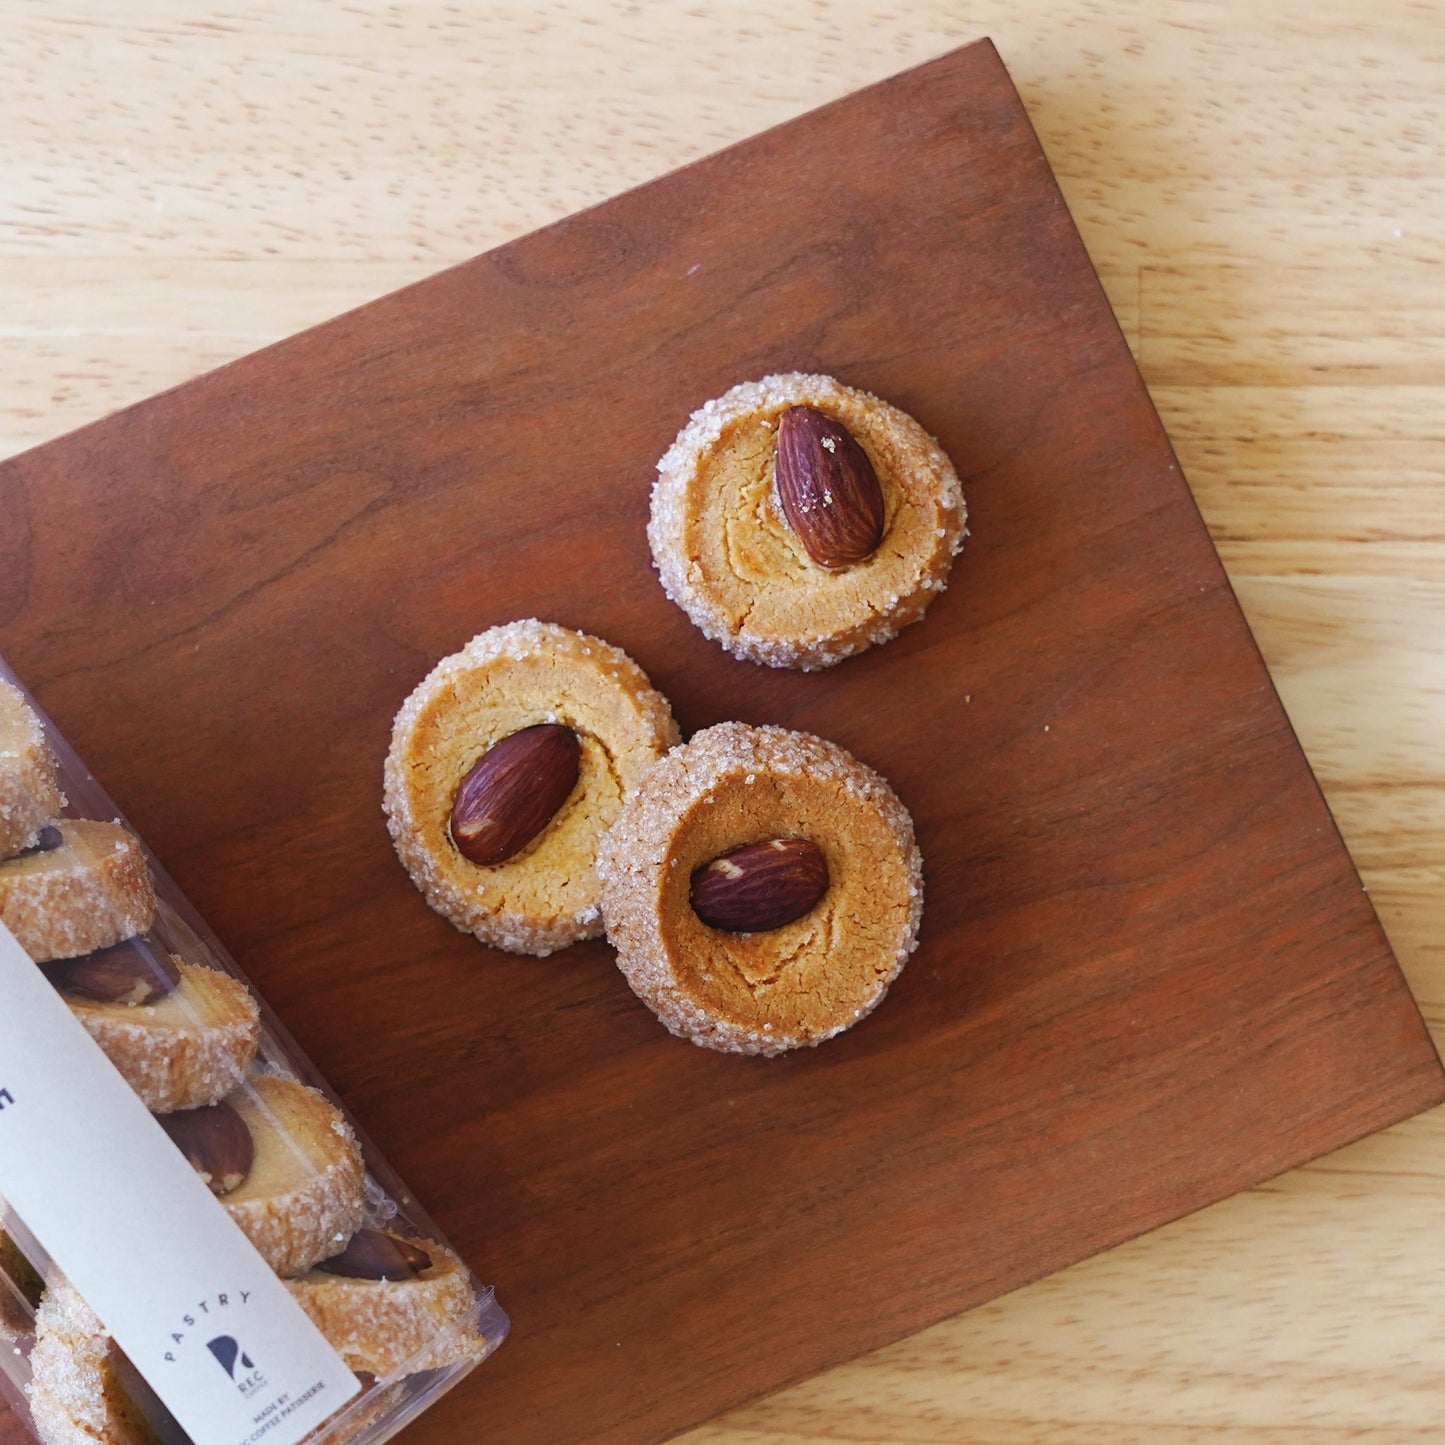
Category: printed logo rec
<point>231,1357</point>
<point>229,1354</point>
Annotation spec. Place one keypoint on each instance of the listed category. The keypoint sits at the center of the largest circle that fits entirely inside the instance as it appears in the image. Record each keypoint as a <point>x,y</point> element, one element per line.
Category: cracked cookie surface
<point>727,556</point>
<point>505,679</point>
<point>761,993</point>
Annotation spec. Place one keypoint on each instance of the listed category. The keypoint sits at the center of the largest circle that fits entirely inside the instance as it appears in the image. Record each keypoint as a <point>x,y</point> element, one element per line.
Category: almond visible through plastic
<point>216,1141</point>
<point>47,840</point>
<point>760,886</point>
<point>131,972</point>
<point>513,791</point>
<point>828,489</point>
<point>373,1254</point>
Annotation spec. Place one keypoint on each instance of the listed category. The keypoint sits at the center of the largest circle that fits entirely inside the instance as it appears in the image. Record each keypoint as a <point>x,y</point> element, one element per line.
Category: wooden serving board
<point>1149,976</point>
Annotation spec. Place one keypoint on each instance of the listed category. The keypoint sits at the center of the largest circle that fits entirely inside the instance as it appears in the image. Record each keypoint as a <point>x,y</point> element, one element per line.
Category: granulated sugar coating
<point>74,1395</point>
<point>761,993</point>
<point>91,891</point>
<point>187,1049</point>
<point>29,793</point>
<point>505,679</point>
<point>305,1189</point>
<point>381,1326</point>
<point>727,556</point>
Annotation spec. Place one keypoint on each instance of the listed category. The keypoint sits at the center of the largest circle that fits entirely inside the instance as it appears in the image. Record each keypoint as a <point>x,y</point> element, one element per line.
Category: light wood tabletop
<point>1262,188</point>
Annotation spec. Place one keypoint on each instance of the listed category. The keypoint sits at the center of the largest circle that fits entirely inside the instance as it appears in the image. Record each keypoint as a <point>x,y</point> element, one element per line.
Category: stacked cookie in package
<point>195,1245</point>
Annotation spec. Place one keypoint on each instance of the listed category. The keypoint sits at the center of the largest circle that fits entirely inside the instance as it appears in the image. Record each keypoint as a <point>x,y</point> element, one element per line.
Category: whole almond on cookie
<point>130,973</point>
<point>216,1141</point>
<point>828,489</point>
<point>47,840</point>
<point>760,886</point>
<point>374,1254</point>
<point>513,791</point>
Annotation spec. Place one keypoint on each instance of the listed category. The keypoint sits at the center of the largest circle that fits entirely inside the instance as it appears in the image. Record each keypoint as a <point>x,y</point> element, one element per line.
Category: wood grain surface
<point>1263,195</point>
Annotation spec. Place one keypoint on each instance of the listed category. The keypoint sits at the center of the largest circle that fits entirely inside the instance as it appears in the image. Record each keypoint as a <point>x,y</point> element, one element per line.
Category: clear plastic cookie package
<point>303,1294</point>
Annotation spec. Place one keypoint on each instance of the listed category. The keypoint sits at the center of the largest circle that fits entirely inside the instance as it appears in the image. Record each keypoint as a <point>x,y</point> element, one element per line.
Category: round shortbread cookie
<point>380,1326</point>
<point>765,992</point>
<point>728,557</point>
<point>82,1390</point>
<point>506,679</point>
<point>304,1195</point>
<point>189,1048</point>
<point>30,796</point>
<point>91,891</point>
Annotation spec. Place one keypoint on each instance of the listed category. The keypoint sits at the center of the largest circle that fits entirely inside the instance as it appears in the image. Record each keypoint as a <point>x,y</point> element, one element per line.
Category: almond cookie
<point>181,1035</point>
<point>389,1304</point>
<point>29,794</point>
<point>506,766</point>
<point>303,1191</point>
<point>802,862</point>
<point>797,521</point>
<point>88,891</point>
<point>83,1390</point>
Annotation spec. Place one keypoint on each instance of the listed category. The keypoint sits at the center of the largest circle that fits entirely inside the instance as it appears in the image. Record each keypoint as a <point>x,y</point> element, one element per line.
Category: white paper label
<point>181,1290</point>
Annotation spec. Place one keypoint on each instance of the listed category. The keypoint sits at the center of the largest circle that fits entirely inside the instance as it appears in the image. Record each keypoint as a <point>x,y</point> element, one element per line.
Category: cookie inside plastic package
<point>197,1244</point>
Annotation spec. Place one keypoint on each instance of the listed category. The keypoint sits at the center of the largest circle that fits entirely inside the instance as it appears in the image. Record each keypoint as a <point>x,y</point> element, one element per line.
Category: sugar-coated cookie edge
<point>526,637</point>
<point>634,853</point>
<point>667,521</point>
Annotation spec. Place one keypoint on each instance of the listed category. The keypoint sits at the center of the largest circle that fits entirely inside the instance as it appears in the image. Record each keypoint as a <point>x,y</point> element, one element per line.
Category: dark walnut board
<point>1149,976</point>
